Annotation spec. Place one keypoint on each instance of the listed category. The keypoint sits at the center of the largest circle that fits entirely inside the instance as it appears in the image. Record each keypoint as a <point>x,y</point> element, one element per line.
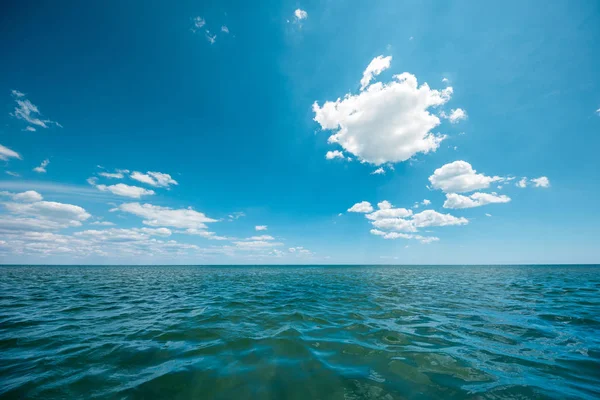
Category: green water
<point>433,332</point>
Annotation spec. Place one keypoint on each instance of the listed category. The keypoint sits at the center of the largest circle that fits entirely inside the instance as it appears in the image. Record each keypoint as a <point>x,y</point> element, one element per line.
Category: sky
<point>312,132</point>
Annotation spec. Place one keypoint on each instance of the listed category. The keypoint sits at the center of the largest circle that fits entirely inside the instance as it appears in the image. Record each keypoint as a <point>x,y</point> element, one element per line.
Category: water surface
<point>423,332</point>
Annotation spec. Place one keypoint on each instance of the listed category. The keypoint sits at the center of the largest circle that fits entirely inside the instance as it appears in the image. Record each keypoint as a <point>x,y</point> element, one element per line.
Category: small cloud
<point>455,115</point>
<point>199,22</point>
<point>522,183</point>
<point>542,182</point>
<point>362,207</point>
<point>445,80</point>
<point>330,155</point>
<point>13,174</point>
<point>426,202</point>
<point>261,227</point>
<point>598,111</point>
<point>42,168</point>
<point>211,38</point>
<point>16,93</point>
<point>411,38</point>
<point>29,129</point>
<point>102,223</point>
<point>378,171</point>
<point>236,215</point>
<point>300,14</point>
<point>224,29</point>
<point>29,112</point>
<point>488,215</point>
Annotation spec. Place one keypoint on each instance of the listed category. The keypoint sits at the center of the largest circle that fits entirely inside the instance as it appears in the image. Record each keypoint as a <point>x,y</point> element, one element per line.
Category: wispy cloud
<point>42,168</point>
<point>29,112</point>
<point>6,153</point>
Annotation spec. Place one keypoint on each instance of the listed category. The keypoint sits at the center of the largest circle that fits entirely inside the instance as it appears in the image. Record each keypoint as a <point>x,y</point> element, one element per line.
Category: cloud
<point>6,153</point>
<point>261,237</point>
<point>29,112</point>
<point>184,218</point>
<point>11,173</point>
<point>120,234</point>
<point>102,223</point>
<point>402,223</point>
<point>426,202</point>
<point>42,168</point>
<point>120,189</point>
<point>375,67</point>
<point>224,29</point>
<point>236,215</point>
<point>522,183</point>
<point>26,197</point>
<point>112,175</point>
<point>211,38</point>
<point>477,199</point>
<point>30,212</point>
<point>203,233</point>
<point>330,155</point>
<point>386,122</point>
<point>300,14</point>
<point>156,179</point>
<point>378,171</point>
<point>432,218</point>
<point>396,235</point>
<point>261,227</point>
<point>488,215</point>
<point>455,116</point>
<point>542,182</point>
<point>256,244</point>
<point>198,22</point>
<point>445,80</point>
<point>362,207</point>
<point>386,210</point>
<point>458,177</point>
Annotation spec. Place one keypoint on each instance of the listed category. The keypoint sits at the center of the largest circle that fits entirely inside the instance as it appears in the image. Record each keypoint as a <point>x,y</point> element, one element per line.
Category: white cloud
<point>396,235</point>
<point>199,22</point>
<point>386,210</point>
<point>378,171</point>
<point>120,189</point>
<point>6,153</point>
<point>330,155</point>
<point>211,38</point>
<point>203,233</point>
<point>111,175</point>
<point>119,234</point>
<point>459,176</point>
<point>300,14</point>
<point>433,218</point>
<point>28,196</point>
<point>27,111</point>
<point>395,224</point>
<point>260,227</point>
<point>445,80</point>
<point>224,29</point>
<point>386,122</point>
<point>426,202</point>
<point>261,237</point>
<point>42,168</point>
<point>362,207</point>
<point>32,213</point>
<point>236,215</point>
<point>102,223</point>
<point>598,111</point>
<point>256,244</point>
<point>522,183</point>
<point>156,179</point>
<point>455,115</point>
<point>164,216</point>
<point>477,199</point>
<point>375,67</point>
<point>488,215</point>
<point>542,182</point>
<point>11,173</point>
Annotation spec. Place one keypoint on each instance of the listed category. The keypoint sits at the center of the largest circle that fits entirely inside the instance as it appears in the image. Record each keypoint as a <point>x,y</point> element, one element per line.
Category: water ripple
<point>477,332</point>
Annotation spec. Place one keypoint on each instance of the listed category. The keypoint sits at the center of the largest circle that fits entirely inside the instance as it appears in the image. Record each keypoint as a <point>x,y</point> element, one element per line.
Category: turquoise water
<point>423,332</point>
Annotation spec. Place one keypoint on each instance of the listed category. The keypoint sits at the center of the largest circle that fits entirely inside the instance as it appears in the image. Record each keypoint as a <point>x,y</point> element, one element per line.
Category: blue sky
<point>172,131</point>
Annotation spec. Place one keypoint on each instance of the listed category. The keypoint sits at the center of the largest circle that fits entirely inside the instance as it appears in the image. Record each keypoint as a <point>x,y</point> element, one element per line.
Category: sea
<point>300,332</point>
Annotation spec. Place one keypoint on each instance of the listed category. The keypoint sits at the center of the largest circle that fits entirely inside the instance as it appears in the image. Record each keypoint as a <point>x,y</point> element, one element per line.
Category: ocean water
<point>264,332</point>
